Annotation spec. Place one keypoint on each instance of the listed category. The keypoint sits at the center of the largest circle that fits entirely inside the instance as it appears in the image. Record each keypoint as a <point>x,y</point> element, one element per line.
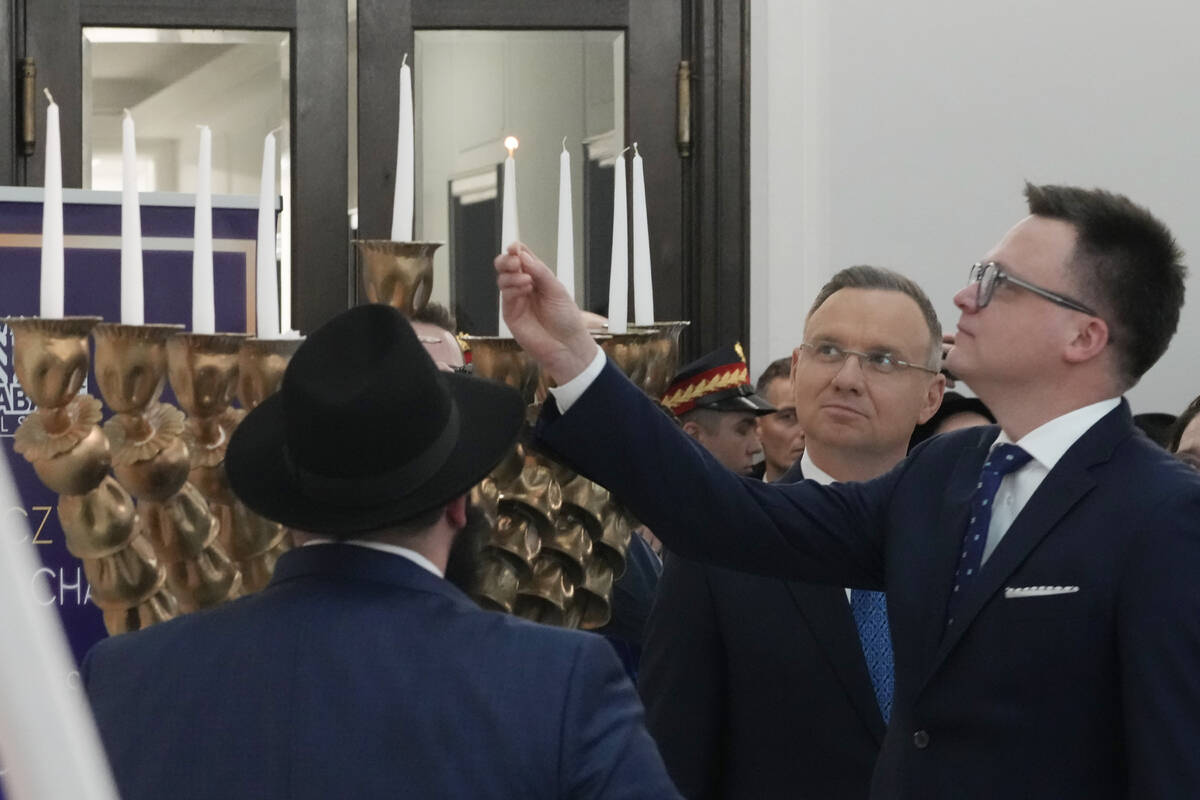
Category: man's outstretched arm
<point>616,436</point>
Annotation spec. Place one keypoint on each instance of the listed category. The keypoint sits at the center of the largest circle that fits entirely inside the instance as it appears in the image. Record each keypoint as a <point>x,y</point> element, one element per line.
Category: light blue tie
<point>870,616</point>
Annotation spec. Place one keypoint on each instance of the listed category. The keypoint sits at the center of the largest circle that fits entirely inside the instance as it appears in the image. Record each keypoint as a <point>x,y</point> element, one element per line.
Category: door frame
<point>318,31</point>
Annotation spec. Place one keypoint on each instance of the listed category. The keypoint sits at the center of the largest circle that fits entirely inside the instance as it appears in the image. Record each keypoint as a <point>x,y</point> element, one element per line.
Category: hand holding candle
<point>402,202</point>
<point>52,284</point>
<point>132,296</point>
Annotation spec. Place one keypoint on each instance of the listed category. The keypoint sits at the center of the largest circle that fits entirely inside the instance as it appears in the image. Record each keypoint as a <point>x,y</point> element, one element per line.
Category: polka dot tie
<point>1002,460</point>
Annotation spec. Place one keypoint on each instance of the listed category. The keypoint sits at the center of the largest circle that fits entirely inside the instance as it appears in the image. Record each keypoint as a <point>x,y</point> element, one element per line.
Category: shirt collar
<point>394,549</point>
<point>812,471</point>
<point>1050,441</point>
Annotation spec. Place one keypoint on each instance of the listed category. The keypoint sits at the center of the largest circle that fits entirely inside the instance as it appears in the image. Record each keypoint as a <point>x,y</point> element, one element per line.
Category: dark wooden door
<point>697,199</point>
<point>51,33</point>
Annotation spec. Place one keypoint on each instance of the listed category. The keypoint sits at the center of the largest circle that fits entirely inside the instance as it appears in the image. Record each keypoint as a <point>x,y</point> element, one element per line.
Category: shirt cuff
<point>566,395</point>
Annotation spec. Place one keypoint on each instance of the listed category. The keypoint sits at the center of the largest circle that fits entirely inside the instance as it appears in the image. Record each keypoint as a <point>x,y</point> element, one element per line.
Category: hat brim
<point>490,417</point>
<point>747,403</point>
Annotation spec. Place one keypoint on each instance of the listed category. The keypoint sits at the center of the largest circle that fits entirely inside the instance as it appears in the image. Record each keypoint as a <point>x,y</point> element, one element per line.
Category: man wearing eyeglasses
<point>757,687</point>
<point>1040,574</point>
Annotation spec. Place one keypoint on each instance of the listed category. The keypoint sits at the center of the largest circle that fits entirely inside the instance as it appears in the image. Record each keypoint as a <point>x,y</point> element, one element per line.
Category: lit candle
<point>203,309</point>
<point>132,297</point>
<point>566,229</point>
<point>618,276</point>
<point>643,286</point>
<point>266,292</point>
<point>52,289</point>
<point>402,202</point>
<point>508,218</point>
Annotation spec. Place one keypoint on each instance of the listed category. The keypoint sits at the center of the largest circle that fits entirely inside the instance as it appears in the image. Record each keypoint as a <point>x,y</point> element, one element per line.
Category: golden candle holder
<point>501,359</point>
<point>203,370</point>
<point>660,355</point>
<point>253,542</point>
<point>72,456</point>
<point>399,274</point>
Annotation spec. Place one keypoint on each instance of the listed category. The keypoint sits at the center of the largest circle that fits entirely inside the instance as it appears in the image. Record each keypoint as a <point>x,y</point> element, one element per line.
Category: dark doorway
<point>474,231</point>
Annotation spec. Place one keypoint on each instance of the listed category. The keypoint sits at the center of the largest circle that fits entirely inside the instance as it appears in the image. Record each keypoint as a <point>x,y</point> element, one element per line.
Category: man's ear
<point>456,512</point>
<point>1088,342</point>
<point>692,429</point>
<point>933,398</point>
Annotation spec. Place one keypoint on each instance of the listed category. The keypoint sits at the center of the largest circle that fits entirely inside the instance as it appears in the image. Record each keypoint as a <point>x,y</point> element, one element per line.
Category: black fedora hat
<point>365,432</point>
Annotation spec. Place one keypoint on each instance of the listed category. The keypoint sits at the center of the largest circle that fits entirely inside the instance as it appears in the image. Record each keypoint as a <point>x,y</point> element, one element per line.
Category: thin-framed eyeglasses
<point>879,361</point>
<point>987,276</point>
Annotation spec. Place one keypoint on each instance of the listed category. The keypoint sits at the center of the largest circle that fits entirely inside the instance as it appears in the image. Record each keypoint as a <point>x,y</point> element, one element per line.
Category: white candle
<point>266,292</point>
<point>203,308</point>
<point>133,305</point>
<point>402,203</point>
<point>47,736</point>
<point>52,288</point>
<point>643,286</point>
<point>618,276</point>
<point>508,218</point>
<point>566,225</point>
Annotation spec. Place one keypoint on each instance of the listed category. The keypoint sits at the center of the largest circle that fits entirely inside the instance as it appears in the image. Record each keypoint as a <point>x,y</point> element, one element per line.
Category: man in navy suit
<point>1040,574</point>
<point>758,687</point>
<point>360,672</point>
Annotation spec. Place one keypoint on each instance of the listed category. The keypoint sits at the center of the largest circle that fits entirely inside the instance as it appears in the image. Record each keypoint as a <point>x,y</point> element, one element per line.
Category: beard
<point>462,565</point>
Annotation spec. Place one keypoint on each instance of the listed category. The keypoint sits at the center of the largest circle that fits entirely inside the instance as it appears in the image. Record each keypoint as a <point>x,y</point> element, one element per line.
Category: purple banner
<point>92,274</point>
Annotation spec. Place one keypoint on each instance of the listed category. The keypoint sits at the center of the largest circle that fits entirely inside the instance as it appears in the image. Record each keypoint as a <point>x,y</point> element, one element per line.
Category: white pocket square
<point>1015,592</point>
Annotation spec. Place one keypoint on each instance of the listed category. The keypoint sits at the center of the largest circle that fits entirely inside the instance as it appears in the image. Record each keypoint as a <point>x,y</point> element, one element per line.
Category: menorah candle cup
<point>203,368</point>
<point>501,359</point>
<point>496,581</point>
<point>592,596</point>
<point>660,355</point>
<point>51,357</point>
<point>261,363</point>
<point>399,274</point>
<point>131,364</point>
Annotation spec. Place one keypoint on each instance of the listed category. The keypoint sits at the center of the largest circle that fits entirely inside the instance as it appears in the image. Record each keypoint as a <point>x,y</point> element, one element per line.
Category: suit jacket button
<point>921,739</point>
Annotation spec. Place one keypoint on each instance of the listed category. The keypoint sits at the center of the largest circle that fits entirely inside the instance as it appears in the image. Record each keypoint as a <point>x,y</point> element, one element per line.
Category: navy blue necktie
<point>1002,460</point>
<point>870,615</point>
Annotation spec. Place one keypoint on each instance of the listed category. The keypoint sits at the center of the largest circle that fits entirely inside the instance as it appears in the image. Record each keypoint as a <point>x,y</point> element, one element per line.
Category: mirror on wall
<point>473,89</point>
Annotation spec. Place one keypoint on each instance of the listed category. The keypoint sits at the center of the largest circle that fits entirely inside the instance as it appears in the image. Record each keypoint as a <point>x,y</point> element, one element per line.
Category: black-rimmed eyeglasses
<point>881,361</point>
<point>989,275</point>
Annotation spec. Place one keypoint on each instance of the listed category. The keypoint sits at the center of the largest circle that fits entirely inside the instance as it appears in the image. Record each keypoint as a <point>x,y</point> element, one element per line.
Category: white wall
<point>900,134</point>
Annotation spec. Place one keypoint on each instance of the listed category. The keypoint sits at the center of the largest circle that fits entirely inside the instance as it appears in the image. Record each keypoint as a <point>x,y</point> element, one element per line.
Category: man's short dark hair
<point>779,368</point>
<point>1126,264</point>
<point>868,277</point>
<point>437,314</point>
<point>707,418</point>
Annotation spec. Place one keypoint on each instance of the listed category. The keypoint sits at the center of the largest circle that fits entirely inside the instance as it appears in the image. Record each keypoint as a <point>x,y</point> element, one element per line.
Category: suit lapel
<point>1065,486</point>
<point>825,610</point>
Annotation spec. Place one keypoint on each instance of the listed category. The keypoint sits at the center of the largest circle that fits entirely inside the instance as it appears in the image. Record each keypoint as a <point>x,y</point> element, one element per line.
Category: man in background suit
<point>758,687</point>
<point>1041,574</point>
<point>360,671</point>
<point>781,435</point>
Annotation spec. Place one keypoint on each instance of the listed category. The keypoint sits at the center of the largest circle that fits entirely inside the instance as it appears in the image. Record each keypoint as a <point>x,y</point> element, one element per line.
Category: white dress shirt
<point>813,472</point>
<point>1046,444</point>
<point>395,549</point>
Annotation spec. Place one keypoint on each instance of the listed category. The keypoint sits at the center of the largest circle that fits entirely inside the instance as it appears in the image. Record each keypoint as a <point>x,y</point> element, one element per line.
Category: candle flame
<point>511,144</point>
<point>49,96</point>
<point>635,152</point>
